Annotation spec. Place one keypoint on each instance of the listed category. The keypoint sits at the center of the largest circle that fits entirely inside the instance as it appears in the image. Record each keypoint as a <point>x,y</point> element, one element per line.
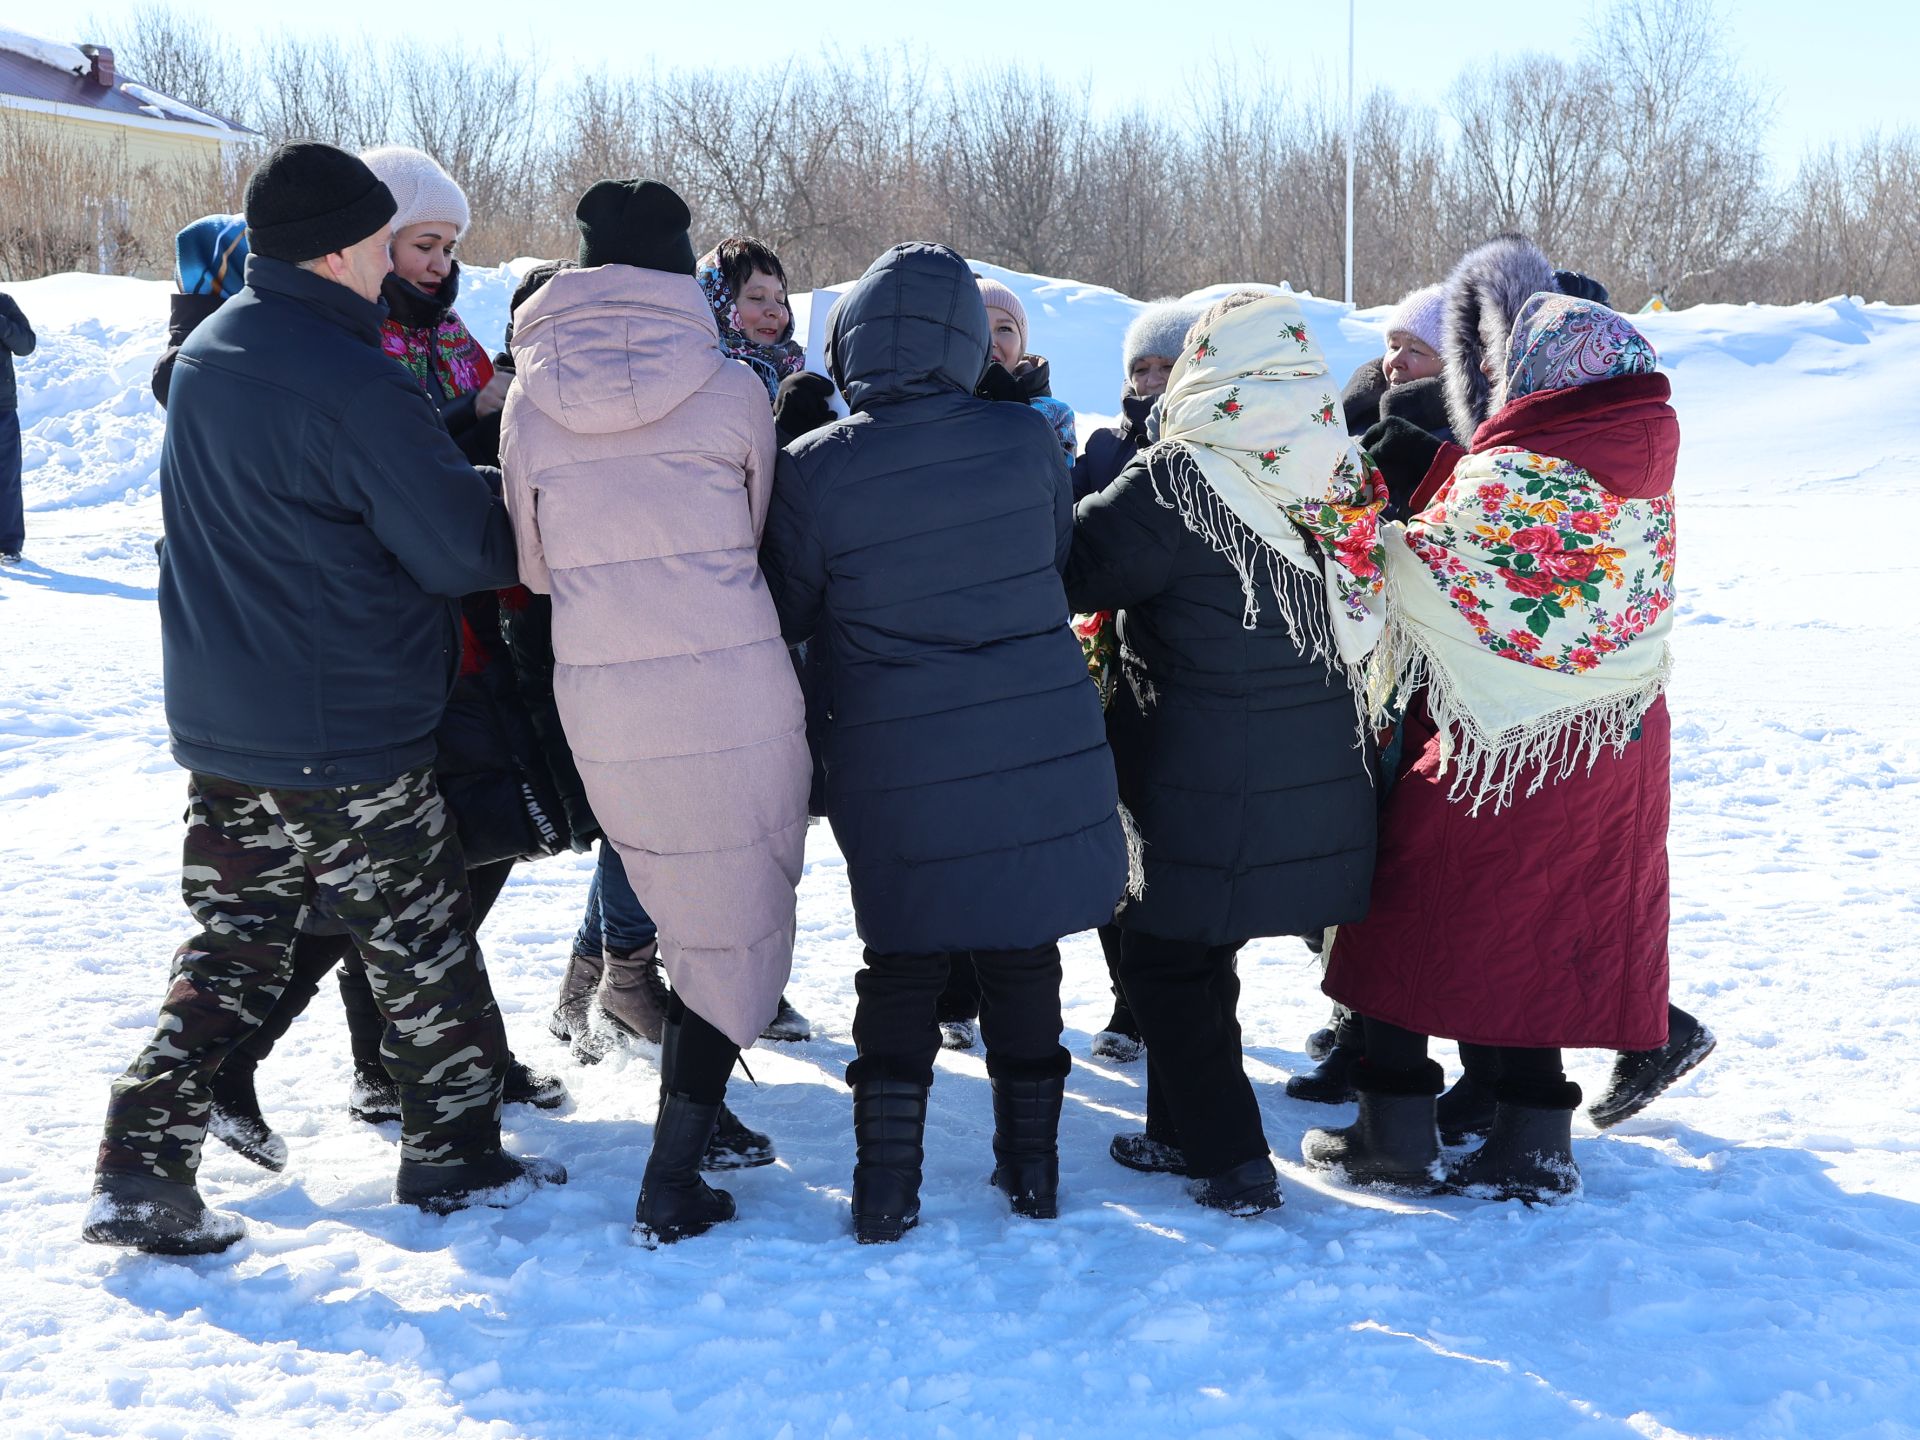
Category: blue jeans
<point>13,519</point>
<point>615,918</point>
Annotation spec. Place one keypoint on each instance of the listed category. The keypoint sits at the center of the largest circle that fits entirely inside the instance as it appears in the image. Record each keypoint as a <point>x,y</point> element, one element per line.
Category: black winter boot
<point>674,1201</point>
<point>1138,1151</point>
<point>1641,1077</point>
<point>735,1146</point>
<point>1466,1111</point>
<point>788,1024</point>
<point>1026,1143</point>
<point>1120,1041</point>
<point>523,1085</point>
<point>160,1217</point>
<point>577,988</point>
<point>496,1179</point>
<point>1331,1081</point>
<point>1529,1154</point>
<point>889,1131</point>
<point>373,1097</point>
<point>235,1119</point>
<point>1248,1189</point>
<point>1392,1142</point>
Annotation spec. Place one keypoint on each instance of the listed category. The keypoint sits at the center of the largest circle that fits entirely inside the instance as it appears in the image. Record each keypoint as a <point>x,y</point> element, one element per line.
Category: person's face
<point>362,267</point>
<point>423,253</point>
<point>1003,338</point>
<point>761,307</point>
<point>1149,374</point>
<point>1409,358</point>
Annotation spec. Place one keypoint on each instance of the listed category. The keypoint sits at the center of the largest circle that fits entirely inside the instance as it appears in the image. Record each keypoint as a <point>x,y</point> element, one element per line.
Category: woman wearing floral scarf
<point>1520,904</point>
<point>1234,723</point>
<point>747,289</point>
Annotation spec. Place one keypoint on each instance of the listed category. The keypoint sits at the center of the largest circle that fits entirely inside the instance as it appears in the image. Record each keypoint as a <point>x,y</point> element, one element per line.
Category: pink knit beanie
<point>1419,316</point>
<point>998,297</point>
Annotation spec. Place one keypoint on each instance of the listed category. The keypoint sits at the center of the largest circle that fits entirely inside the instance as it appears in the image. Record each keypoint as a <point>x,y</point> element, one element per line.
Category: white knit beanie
<point>1160,329</point>
<point>420,187</point>
<point>998,297</point>
<point>1419,315</point>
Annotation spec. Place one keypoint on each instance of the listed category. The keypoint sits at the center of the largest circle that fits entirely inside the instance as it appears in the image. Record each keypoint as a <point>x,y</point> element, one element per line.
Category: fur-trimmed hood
<point>1484,295</point>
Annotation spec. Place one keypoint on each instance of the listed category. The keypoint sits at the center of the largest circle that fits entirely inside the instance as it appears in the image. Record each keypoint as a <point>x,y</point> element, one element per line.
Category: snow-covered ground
<point>1745,1262</point>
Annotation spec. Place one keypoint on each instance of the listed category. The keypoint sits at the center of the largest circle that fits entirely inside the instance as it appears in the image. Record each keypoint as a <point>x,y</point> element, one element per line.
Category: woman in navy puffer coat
<point>919,544</point>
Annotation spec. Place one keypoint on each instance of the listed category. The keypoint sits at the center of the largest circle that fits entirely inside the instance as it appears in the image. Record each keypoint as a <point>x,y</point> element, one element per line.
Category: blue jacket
<point>918,543</point>
<point>320,527</point>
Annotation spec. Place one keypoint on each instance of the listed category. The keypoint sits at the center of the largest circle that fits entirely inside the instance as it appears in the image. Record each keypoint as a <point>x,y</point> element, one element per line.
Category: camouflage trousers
<point>384,860</point>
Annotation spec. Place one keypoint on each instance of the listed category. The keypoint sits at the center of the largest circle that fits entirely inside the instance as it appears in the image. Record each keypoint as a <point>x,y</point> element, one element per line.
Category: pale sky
<point>1831,70</point>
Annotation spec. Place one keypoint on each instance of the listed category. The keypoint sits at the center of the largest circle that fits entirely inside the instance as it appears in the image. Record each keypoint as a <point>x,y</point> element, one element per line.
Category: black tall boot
<point>1392,1143</point>
<point>1529,1154</point>
<point>235,1118</point>
<point>889,1131</point>
<point>1026,1142</point>
<point>674,1201</point>
<point>734,1146</point>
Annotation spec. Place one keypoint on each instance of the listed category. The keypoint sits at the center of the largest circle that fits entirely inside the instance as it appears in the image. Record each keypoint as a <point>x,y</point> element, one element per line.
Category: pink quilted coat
<point>639,462</point>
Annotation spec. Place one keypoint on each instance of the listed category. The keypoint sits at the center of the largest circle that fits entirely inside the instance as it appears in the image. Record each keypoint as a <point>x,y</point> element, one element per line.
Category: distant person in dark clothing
<point>16,338</point>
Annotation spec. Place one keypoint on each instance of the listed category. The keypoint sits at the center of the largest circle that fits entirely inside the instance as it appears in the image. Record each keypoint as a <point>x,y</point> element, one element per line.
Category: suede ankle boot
<point>1392,1143</point>
<point>889,1132</point>
<point>577,987</point>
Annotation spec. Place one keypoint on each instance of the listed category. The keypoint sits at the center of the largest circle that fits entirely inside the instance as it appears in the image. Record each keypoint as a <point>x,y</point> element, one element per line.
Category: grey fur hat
<point>1160,329</point>
<point>1484,295</point>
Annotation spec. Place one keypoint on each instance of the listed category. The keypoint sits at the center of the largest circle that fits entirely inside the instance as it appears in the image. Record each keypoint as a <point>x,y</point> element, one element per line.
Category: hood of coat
<point>914,325</point>
<point>1483,297</point>
<point>614,347</point>
<point>1623,432</point>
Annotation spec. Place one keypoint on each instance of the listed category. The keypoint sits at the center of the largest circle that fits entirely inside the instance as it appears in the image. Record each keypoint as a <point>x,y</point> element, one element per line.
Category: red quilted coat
<point>1543,923</point>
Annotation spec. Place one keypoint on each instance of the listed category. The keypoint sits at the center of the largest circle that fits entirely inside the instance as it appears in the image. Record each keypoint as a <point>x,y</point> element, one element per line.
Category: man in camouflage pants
<point>320,527</point>
<point>382,858</point>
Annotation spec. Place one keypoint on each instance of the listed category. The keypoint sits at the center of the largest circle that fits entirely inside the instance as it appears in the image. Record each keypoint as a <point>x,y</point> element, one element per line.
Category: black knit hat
<point>307,200</point>
<point>635,222</point>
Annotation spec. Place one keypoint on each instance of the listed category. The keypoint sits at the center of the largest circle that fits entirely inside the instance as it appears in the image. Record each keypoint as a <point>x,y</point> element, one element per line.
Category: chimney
<point>102,72</point>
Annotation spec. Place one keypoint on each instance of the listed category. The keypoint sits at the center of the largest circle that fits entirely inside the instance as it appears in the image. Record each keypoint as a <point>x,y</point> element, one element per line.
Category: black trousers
<point>1391,1048</point>
<point>960,998</point>
<point>699,1059</point>
<point>1185,998</point>
<point>894,1023</point>
<point>315,955</point>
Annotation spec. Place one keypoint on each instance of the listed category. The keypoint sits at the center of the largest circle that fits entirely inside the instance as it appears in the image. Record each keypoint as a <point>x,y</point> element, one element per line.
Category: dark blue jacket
<point>1111,450</point>
<point>320,527</point>
<point>16,338</point>
<point>919,543</point>
<point>1238,755</point>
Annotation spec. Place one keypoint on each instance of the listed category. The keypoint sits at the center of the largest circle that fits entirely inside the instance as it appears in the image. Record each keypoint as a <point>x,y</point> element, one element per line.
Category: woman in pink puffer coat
<point>639,464</point>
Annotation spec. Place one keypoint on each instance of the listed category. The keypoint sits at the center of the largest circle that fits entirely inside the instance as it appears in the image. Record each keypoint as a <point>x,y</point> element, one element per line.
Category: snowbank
<point>1745,1262</point>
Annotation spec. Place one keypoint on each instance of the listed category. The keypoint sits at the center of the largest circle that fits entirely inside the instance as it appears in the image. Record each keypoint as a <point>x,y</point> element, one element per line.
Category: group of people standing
<point>1230,672</point>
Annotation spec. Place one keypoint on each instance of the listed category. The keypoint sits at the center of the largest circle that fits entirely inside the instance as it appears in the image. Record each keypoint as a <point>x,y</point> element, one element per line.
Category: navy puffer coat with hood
<point>919,543</point>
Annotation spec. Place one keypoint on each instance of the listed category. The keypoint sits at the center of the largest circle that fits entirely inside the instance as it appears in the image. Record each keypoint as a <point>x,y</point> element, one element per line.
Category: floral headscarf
<point>772,363</point>
<point>1530,603</point>
<point>1559,342</point>
<point>1259,465</point>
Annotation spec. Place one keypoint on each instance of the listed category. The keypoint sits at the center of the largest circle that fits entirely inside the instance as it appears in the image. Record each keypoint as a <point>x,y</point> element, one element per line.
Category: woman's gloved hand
<point>804,404</point>
<point>1404,452</point>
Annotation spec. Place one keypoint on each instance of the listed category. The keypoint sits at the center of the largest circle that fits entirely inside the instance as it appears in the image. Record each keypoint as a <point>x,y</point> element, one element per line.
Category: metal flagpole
<point>1350,6</point>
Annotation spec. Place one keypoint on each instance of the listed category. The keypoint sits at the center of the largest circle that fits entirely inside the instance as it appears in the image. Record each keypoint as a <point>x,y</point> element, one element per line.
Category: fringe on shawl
<point>1490,767</point>
<point>1180,486</point>
<point>1136,859</point>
